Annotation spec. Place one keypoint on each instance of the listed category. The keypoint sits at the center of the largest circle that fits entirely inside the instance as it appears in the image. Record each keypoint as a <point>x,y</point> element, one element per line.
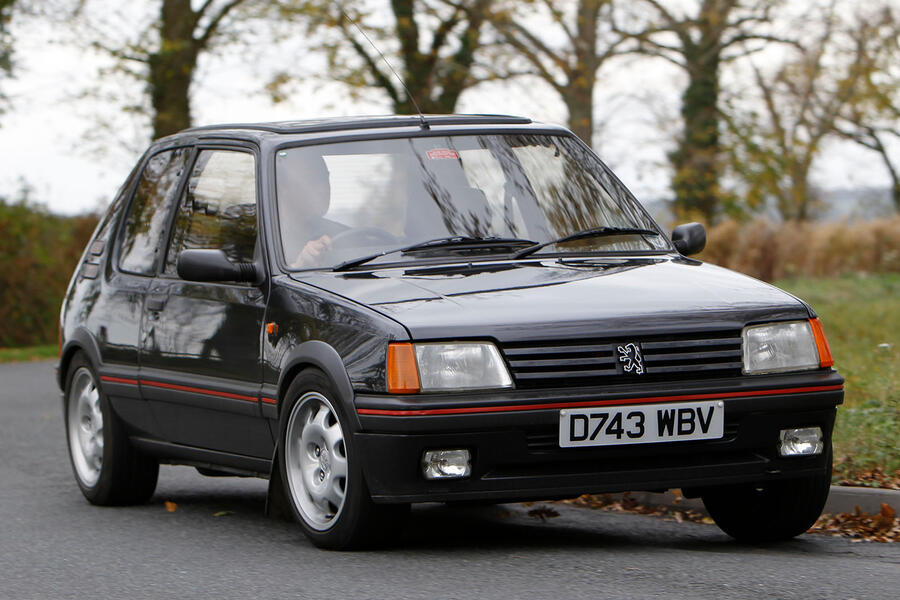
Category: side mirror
<point>212,265</point>
<point>689,238</point>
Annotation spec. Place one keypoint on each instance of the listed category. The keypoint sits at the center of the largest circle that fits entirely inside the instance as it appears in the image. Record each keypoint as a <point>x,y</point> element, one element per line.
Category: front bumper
<point>515,452</point>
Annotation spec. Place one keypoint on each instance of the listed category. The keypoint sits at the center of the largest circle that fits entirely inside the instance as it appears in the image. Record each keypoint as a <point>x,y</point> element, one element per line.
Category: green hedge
<point>38,252</point>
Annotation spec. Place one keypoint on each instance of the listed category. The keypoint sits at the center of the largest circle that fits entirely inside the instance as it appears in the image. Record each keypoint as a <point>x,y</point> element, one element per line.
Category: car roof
<point>323,128</point>
<point>365,122</point>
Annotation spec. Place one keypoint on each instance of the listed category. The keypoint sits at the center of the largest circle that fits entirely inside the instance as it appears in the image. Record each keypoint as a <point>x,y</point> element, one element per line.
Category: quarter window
<point>149,212</point>
<point>218,208</point>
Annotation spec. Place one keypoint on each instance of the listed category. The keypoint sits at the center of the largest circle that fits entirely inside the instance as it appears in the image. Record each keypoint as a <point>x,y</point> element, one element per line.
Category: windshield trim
<point>541,129</point>
<point>497,258</point>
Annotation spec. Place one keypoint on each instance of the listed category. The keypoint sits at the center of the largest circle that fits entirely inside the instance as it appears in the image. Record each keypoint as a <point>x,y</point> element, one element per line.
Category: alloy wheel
<point>85,421</point>
<point>316,461</point>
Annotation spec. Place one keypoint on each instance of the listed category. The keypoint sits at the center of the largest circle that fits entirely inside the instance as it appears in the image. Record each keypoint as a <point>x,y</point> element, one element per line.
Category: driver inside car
<point>309,187</point>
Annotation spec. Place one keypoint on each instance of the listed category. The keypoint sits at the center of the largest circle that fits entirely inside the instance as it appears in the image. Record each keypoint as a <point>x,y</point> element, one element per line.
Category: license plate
<point>641,424</point>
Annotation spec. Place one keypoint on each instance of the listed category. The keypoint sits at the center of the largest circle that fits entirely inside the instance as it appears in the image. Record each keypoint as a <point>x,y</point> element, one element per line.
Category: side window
<point>218,209</point>
<point>149,212</point>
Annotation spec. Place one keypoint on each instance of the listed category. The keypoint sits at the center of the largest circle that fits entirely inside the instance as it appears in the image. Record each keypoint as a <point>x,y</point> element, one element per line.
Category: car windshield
<point>477,195</point>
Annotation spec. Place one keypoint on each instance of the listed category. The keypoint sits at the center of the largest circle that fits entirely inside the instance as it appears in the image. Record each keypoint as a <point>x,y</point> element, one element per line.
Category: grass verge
<point>861,315</point>
<point>27,354</point>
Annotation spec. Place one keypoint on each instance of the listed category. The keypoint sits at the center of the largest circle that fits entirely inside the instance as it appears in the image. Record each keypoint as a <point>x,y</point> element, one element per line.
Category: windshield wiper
<point>452,241</point>
<point>584,234</point>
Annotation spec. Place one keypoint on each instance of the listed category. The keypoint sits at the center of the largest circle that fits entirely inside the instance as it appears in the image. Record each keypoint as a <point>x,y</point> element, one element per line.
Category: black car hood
<point>550,299</point>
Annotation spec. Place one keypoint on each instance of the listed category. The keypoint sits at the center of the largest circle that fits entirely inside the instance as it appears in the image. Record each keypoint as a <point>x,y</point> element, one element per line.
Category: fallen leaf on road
<point>851,475</point>
<point>543,513</point>
<point>223,513</point>
<point>171,506</point>
<point>859,526</point>
<point>629,504</point>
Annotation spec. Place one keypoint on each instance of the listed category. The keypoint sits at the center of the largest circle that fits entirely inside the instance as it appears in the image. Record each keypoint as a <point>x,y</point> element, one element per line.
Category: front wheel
<point>324,482</point>
<point>769,512</point>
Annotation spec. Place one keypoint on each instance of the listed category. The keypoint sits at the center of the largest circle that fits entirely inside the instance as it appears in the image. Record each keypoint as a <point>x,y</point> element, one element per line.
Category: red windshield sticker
<point>442,154</point>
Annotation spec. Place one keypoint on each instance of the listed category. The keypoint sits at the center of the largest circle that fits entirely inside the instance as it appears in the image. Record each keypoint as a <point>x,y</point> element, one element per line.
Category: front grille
<point>595,362</point>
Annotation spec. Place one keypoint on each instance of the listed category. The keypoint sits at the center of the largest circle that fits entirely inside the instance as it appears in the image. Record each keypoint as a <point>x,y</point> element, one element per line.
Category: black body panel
<point>556,300</point>
<point>198,371</point>
<point>205,336</point>
<point>517,457</point>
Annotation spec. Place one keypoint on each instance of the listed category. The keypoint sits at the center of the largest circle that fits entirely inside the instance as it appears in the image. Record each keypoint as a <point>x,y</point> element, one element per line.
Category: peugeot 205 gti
<point>372,312</point>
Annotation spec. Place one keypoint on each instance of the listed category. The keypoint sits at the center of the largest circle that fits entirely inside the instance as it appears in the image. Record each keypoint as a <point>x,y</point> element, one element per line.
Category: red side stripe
<point>618,401</point>
<point>182,388</point>
<point>269,400</point>
<point>118,380</point>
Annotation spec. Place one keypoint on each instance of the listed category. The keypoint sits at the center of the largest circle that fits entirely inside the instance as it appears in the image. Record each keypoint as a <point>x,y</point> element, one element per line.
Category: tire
<point>323,479</point>
<point>770,512</point>
<point>107,468</point>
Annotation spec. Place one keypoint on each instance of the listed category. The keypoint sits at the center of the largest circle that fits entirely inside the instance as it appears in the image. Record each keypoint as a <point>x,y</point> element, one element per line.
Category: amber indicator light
<point>825,358</point>
<point>402,372</point>
<point>272,328</point>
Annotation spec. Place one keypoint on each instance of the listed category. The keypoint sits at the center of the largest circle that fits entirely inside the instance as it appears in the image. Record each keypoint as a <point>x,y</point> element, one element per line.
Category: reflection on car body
<point>371,313</point>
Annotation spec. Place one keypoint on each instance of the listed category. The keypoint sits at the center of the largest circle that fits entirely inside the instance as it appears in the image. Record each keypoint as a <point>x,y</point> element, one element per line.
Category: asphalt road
<point>218,544</point>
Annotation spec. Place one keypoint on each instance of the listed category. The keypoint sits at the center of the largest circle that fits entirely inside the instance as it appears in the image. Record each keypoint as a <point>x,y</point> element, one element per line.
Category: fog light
<point>446,464</point>
<point>801,442</point>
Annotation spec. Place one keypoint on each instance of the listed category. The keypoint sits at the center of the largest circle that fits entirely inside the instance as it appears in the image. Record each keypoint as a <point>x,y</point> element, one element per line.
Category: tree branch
<point>537,45</point>
<point>440,36</point>
<point>378,75</point>
<point>560,19</point>
<point>537,63</point>
<point>214,23</point>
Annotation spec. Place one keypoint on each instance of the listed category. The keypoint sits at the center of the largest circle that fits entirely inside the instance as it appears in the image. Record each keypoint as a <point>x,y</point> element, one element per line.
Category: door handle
<point>156,303</point>
<point>253,295</point>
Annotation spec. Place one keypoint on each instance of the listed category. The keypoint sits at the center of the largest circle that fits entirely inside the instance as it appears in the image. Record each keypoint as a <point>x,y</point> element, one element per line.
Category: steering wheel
<point>362,236</point>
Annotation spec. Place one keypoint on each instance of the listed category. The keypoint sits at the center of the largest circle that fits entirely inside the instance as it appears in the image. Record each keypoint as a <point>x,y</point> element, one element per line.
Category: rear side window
<point>218,209</point>
<point>149,213</point>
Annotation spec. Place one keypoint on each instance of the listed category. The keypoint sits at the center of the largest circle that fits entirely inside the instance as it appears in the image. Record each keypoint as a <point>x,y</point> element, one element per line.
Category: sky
<point>66,136</point>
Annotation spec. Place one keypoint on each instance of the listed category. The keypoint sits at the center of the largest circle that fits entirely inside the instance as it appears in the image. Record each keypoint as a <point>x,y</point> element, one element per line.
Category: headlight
<point>779,347</point>
<point>437,367</point>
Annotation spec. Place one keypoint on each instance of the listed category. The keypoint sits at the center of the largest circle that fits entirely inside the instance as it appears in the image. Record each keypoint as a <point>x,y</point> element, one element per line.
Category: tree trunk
<point>579,101</point>
<point>579,96</point>
<point>796,202</point>
<point>800,198</point>
<point>5,40</point>
<point>172,69</point>
<point>696,159</point>
<point>895,192</point>
<point>418,80</point>
<point>892,171</point>
<point>435,87</point>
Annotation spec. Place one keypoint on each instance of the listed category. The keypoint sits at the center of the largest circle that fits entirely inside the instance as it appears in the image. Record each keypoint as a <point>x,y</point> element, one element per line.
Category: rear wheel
<point>107,468</point>
<point>324,482</point>
<point>769,512</point>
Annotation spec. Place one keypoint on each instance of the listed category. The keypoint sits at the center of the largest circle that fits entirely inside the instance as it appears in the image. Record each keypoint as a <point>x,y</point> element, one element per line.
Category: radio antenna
<point>424,123</point>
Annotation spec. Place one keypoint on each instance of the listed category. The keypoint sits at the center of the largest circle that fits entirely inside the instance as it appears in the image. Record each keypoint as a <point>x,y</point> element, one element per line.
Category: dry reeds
<point>770,251</point>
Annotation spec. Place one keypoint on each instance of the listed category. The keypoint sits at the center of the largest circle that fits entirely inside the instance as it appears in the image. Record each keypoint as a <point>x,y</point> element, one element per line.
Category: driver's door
<point>200,350</point>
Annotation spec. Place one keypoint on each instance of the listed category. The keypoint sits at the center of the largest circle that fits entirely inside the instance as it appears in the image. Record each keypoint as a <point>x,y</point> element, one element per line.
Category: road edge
<point>841,499</point>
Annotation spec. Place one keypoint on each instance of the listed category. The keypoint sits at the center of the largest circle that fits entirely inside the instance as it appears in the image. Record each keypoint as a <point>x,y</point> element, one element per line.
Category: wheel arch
<point>322,356</point>
<point>80,340</point>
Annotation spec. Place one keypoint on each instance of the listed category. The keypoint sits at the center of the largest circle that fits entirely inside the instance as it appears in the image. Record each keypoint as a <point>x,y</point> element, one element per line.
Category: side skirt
<point>177,454</point>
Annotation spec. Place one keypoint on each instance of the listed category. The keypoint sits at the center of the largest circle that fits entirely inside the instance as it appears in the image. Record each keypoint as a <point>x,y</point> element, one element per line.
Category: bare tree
<point>432,43</point>
<point>872,118</point>
<point>6,44</point>
<point>166,53</point>
<point>588,41</point>
<point>699,43</point>
<point>803,103</point>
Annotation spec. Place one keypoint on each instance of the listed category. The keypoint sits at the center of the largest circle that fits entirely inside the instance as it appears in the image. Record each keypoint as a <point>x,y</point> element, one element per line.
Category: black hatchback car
<point>378,311</point>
